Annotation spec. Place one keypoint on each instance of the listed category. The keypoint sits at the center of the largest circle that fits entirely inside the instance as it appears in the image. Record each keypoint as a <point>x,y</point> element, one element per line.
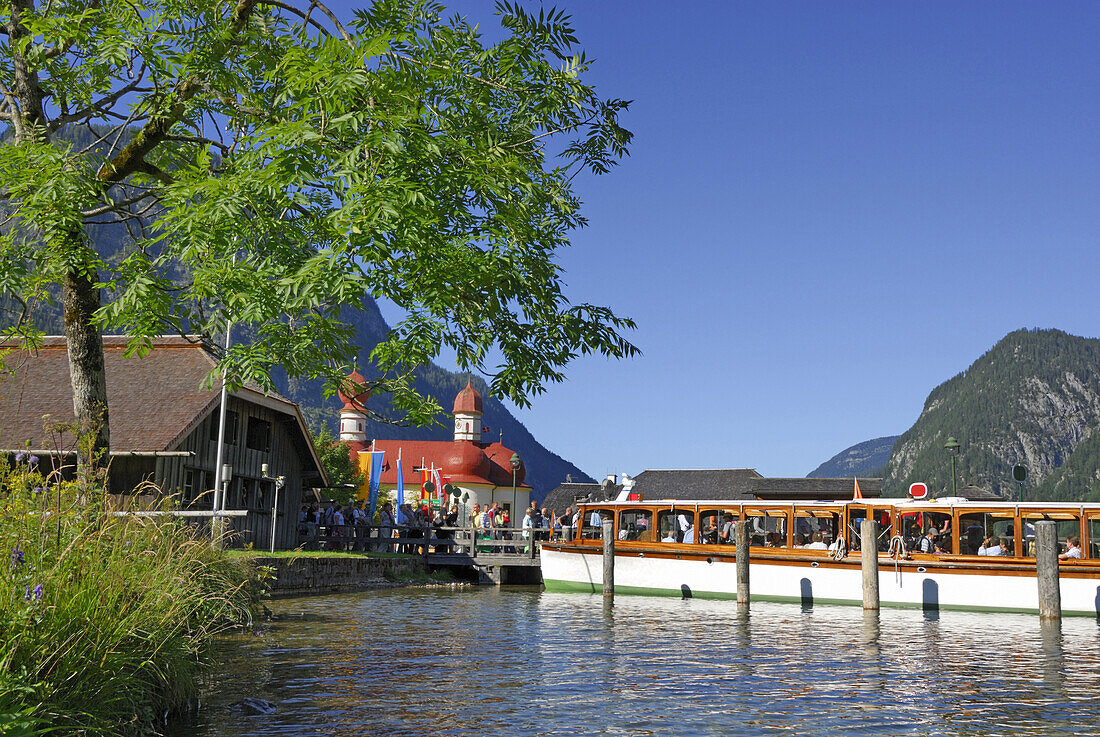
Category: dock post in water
<point>1046,569</point>
<point>868,544</point>
<point>741,536</point>
<point>608,558</point>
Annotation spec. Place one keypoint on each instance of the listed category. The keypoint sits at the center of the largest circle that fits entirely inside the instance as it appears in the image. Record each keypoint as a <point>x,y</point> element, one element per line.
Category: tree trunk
<point>80,300</point>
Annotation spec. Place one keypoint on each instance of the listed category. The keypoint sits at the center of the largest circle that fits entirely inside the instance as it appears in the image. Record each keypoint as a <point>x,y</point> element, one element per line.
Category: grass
<point>105,621</point>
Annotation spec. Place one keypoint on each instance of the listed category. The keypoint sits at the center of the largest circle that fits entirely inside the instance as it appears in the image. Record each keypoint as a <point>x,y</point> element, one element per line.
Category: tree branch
<point>99,106</point>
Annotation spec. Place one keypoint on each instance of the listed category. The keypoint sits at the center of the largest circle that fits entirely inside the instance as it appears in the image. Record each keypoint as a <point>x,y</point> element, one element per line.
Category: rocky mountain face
<point>1032,399</point>
<point>545,469</point>
<point>866,459</point>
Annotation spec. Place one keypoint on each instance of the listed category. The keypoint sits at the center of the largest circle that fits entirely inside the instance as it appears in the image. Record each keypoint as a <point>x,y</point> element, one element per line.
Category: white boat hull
<point>907,586</point>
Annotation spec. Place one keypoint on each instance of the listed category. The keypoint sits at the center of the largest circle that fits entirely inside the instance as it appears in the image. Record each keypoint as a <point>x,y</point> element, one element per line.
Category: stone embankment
<point>331,575</point>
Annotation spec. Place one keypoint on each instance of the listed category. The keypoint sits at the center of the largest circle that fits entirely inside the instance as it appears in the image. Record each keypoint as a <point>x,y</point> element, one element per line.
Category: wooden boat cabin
<point>954,526</point>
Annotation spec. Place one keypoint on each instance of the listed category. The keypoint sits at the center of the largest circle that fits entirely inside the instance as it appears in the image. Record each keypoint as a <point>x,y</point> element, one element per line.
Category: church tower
<point>468,414</point>
<point>353,415</point>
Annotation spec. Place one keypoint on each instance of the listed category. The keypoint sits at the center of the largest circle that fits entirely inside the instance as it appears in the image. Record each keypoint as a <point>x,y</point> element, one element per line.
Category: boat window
<point>984,533</point>
<point>1067,523</point>
<point>855,520</point>
<point>710,524</point>
<point>727,535</point>
<point>815,529</point>
<point>1094,537</point>
<point>675,524</point>
<point>885,532</point>
<point>767,528</point>
<point>592,522</point>
<point>636,524</point>
<point>928,532</point>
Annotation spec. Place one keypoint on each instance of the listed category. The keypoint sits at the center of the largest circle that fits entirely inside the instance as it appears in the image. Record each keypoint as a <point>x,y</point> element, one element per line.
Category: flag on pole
<point>857,494</point>
<point>437,479</point>
<point>375,479</point>
<point>400,483</point>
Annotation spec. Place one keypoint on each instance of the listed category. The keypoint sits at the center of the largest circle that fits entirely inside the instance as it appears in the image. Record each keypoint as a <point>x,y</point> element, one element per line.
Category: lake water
<point>489,661</point>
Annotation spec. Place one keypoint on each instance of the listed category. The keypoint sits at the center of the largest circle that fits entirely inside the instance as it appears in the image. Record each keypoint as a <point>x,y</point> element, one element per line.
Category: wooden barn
<point>164,430</point>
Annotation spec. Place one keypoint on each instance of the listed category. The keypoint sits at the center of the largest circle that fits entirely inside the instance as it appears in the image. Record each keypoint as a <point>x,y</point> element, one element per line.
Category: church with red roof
<point>483,472</point>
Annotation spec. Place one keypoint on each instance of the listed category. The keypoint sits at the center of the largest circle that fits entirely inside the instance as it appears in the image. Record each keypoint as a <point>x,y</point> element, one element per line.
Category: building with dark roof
<point>163,423</point>
<point>714,484</point>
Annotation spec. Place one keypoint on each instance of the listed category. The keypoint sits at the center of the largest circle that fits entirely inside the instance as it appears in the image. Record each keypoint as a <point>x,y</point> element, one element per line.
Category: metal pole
<point>608,558</point>
<point>741,535</point>
<point>514,496</point>
<point>1046,569</point>
<point>219,483</point>
<point>954,487</point>
<point>868,543</point>
<point>274,510</point>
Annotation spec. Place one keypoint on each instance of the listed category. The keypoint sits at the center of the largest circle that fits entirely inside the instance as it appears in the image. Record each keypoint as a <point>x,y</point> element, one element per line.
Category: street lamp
<point>952,447</point>
<point>515,461</point>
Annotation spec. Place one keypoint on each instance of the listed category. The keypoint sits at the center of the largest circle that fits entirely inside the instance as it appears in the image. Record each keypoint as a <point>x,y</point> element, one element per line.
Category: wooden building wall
<point>287,455</point>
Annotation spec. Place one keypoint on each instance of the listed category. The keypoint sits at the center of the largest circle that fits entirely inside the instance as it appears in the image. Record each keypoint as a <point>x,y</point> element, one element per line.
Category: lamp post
<point>515,461</point>
<point>952,447</point>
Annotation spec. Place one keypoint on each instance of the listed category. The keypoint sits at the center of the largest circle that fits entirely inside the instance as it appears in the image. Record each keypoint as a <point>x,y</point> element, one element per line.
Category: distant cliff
<point>545,469</point>
<point>866,459</point>
<point>1032,399</point>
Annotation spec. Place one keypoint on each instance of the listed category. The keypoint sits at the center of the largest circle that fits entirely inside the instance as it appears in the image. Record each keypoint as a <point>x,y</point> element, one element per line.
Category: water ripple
<point>500,661</point>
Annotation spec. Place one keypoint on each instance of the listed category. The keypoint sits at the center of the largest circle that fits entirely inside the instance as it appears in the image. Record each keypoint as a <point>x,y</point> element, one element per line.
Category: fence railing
<point>423,540</point>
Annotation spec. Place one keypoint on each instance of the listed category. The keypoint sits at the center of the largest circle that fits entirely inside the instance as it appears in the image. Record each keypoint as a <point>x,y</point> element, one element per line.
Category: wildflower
<point>32,460</point>
<point>19,457</point>
<point>34,594</point>
<point>17,558</point>
<point>38,490</point>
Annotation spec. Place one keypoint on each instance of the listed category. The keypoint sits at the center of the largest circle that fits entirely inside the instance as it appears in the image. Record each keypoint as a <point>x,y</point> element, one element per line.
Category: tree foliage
<point>336,458</point>
<point>274,164</point>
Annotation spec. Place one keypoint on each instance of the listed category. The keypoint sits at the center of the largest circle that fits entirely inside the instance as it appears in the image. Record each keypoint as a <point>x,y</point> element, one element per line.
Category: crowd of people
<point>338,526</point>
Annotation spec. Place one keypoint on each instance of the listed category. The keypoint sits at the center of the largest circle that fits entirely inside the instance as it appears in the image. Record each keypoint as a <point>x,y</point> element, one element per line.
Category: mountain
<point>1032,399</point>
<point>545,469</point>
<point>866,459</point>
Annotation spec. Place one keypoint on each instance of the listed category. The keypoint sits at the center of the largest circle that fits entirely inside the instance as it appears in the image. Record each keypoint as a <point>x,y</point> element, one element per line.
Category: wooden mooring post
<point>608,558</point>
<point>741,536</point>
<point>868,544</point>
<point>1046,569</point>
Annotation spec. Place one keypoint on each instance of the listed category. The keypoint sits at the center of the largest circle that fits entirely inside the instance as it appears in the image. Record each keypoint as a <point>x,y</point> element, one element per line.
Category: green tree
<point>336,458</point>
<point>275,165</point>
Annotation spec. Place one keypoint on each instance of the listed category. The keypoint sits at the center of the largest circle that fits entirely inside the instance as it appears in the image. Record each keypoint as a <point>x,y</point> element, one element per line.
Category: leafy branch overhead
<point>274,164</point>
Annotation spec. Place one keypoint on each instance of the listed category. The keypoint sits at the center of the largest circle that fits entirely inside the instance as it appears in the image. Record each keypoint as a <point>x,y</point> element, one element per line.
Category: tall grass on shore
<point>105,621</point>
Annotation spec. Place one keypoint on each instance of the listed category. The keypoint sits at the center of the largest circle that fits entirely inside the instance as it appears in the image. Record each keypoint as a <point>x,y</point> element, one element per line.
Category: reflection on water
<point>500,661</point>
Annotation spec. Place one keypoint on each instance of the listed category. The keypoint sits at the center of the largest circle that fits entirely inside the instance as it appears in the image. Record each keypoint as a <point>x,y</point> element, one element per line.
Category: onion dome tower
<point>353,415</point>
<point>468,414</point>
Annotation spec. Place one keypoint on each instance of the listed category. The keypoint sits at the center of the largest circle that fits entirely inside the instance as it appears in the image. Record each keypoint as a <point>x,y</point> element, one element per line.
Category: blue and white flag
<point>375,478</point>
<point>400,484</point>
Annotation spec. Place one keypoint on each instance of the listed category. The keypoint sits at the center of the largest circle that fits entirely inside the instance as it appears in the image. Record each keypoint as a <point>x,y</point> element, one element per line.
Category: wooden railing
<point>508,541</point>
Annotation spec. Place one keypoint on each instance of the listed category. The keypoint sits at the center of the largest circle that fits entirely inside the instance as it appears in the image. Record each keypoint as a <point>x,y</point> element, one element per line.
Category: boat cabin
<point>943,527</point>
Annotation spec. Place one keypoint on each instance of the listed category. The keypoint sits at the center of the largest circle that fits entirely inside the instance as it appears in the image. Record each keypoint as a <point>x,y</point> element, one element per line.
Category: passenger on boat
<point>928,541</point>
<point>774,540</point>
<point>818,542</point>
<point>670,537</point>
<point>1073,548</point>
<point>725,537</point>
<point>710,534</point>
<point>689,534</point>
<point>991,546</point>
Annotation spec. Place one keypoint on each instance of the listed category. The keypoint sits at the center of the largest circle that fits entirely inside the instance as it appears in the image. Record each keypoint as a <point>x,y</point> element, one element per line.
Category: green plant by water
<point>105,620</point>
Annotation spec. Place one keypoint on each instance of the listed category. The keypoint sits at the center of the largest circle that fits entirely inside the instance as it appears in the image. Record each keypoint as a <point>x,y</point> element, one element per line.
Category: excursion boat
<point>947,553</point>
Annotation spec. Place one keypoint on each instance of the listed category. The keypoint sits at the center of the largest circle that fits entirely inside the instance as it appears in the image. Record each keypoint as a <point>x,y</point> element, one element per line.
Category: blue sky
<point>830,208</point>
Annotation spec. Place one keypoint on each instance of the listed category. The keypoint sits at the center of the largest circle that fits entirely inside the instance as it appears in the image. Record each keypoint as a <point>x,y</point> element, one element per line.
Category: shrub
<point>105,620</point>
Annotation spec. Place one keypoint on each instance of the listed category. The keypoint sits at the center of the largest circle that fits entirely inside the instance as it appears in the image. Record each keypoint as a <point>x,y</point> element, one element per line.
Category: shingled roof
<point>704,483</point>
<point>568,494</point>
<point>154,401</point>
<point>814,488</point>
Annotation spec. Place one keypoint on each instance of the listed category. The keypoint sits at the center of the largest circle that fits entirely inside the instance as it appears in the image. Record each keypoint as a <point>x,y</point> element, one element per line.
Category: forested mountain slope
<point>1032,399</point>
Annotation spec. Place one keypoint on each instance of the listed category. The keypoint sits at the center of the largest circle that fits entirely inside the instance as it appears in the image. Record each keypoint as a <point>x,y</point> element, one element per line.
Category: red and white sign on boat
<point>918,490</point>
